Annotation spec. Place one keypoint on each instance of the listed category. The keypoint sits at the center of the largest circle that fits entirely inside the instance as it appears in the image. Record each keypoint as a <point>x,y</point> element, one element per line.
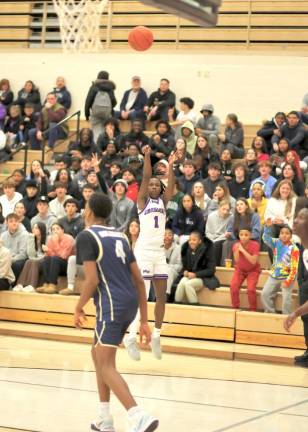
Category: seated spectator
<point>63,95</point>
<point>110,133</point>
<point>56,206</point>
<point>294,131</point>
<point>160,102</point>
<point>51,114</point>
<point>259,146</point>
<point>265,168</point>
<point>15,240</point>
<point>257,202</point>
<point>6,94</point>
<point>133,156</point>
<point>27,123</point>
<point>29,94</point>
<point>135,136</point>
<point>95,176</point>
<point>133,102</point>
<point>2,221</point>
<point>72,222</point>
<point>221,193</point>
<point>100,102</point>
<point>278,157</point>
<point>86,192</point>
<point>243,218</point>
<point>30,199</point>
<point>11,126</point>
<point>251,164</point>
<point>162,142</point>
<point>10,197</point>
<point>123,207</point>
<point>189,176</point>
<point>7,276</point>
<point>84,147</point>
<point>188,218</point>
<point>132,232</point>
<point>19,180</point>
<point>61,162</point>
<point>289,173</point>
<point>209,126</point>
<point>182,155</point>
<point>300,166</point>
<point>81,176</point>
<point>129,176</point>
<point>186,113</point>
<point>114,173</point>
<point>226,164</point>
<point>247,266</point>
<point>239,185</point>
<point>216,227</point>
<point>20,211</point>
<point>5,149</point>
<point>213,179</point>
<point>198,268</point>
<point>174,203</point>
<point>75,166</point>
<point>188,134</point>
<point>59,248</point>
<point>44,215</point>
<point>174,261</point>
<point>110,155</point>
<point>270,128</point>
<point>29,277</point>
<point>283,270</point>
<point>203,149</point>
<point>64,176</point>
<point>233,137</point>
<point>201,198</point>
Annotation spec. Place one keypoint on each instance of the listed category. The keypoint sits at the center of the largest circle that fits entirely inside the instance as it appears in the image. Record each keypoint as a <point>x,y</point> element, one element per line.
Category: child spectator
<point>174,261</point>
<point>233,138</point>
<point>213,179</point>
<point>246,258</point>
<point>6,273</point>
<point>251,164</point>
<point>284,268</point>
<point>132,232</point>
<point>239,185</point>
<point>216,227</point>
<point>259,146</point>
<point>182,153</point>
<point>198,268</point>
<point>201,198</point>
<point>300,166</point>
<point>189,176</point>
<point>265,168</point>
<point>38,174</point>
<point>10,197</point>
<point>27,123</point>
<point>226,164</point>
<point>81,176</point>
<point>64,176</point>
<point>20,211</point>
<point>186,113</point>
<point>257,202</point>
<point>221,193</point>
<point>278,157</point>
<point>12,124</point>
<point>187,219</point>
<point>31,197</point>
<point>132,185</point>
<point>208,154</point>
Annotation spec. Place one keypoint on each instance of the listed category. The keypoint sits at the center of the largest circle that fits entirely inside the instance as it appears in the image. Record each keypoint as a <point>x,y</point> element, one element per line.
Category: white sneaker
<point>131,346</point>
<point>156,347</point>
<point>28,289</point>
<point>18,288</point>
<point>145,423</point>
<point>103,424</point>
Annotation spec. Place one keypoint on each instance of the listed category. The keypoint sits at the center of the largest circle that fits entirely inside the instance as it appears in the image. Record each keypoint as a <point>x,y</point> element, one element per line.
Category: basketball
<point>140,38</point>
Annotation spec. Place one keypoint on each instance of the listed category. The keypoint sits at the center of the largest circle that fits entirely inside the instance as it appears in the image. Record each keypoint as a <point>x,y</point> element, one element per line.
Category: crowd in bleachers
<point>229,202</point>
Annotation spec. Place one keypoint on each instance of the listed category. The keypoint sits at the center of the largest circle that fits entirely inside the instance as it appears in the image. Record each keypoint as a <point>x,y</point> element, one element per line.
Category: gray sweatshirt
<point>5,264</point>
<point>216,226</point>
<point>173,257</point>
<point>122,212</point>
<point>48,221</point>
<point>209,125</point>
<point>16,243</point>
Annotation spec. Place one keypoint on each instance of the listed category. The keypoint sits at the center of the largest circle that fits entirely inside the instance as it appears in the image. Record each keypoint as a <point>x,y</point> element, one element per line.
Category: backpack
<point>2,112</point>
<point>101,107</point>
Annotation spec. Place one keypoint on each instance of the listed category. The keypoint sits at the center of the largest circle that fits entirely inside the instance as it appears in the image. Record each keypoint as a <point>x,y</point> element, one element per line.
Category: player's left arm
<point>169,191</point>
<point>89,287</point>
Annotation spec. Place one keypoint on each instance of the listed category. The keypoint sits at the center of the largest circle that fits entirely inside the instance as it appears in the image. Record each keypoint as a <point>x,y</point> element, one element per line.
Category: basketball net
<point>80,24</point>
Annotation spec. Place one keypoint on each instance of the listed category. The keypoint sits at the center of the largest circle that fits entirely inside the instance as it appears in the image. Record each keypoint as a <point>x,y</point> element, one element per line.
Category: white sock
<point>156,332</point>
<point>134,412</point>
<point>70,286</point>
<point>104,408</point>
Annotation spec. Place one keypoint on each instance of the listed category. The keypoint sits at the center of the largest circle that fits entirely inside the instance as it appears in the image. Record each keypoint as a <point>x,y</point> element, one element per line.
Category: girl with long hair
<point>208,154</point>
<point>281,206</point>
<point>259,146</point>
<point>201,197</point>
<point>132,232</point>
<point>221,193</point>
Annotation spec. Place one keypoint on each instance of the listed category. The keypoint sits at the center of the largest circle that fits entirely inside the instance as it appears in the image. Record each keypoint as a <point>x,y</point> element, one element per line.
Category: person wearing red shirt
<point>132,185</point>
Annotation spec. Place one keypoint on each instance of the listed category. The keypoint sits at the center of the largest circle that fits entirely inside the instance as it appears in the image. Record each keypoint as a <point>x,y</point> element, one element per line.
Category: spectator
<point>64,176</point>
<point>6,273</point>
<point>20,211</point>
<point>257,202</point>
<point>216,227</point>
<point>6,94</point>
<point>132,232</point>
<point>189,176</point>
<point>284,268</point>
<point>201,198</point>
<point>294,131</point>
<point>213,179</point>
<point>239,185</point>
<point>133,102</point>
<point>233,138</point>
<point>86,192</point>
<point>11,126</point>
<point>162,142</point>
<point>28,122</point>
<point>31,197</point>
<point>265,168</point>
<point>188,134</point>
<point>123,207</point>
<point>187,219</point>
<point>10,197</point>
<point>84,147</point>
<point>226,164</point>
<point>29,94</point>
<point>59,248</point>
<point>44,215</point>
<point>2,221</point>
<point>113,173</point>
<point>174,261</point>
<point>174,202</point>
<point>29,277</point>
<point>81,176</point>
<point>129,176</point>
<point>221,193</point>
<point>160,102</point>
<point>289,173</point>
<point>271,128</point>
<point>186,114</point>
<point>111,155</point>
<point>100,102</point>
<point>72,222</point>
<point>51,114</point>
<point>161,170</point>
<point>15,240</point>
<point>134,155</point>
<point>300,166</point>
<point>247,266</point>
<point>182,155</point>
<point>19,180</point>
<point>135,136</point>
<point>111,133</point>
<point>251,164</point>
<point>209,125</point>
<point>56,206</point>
<point>63,95</point>
<point>278,158</point>
<point>203,149</point>
<point>198,268</point>
<point>61,162</point>
<point>259,146</point>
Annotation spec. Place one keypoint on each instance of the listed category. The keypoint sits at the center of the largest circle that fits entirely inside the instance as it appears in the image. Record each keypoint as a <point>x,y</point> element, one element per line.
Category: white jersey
<point>152,225</point>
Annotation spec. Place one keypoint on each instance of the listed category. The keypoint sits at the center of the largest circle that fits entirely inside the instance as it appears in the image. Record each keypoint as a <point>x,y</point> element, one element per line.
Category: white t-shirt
<point>9,205</point>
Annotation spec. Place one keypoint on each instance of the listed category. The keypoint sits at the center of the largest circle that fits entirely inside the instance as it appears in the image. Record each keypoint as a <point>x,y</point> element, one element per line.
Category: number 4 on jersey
<point>120,251</point>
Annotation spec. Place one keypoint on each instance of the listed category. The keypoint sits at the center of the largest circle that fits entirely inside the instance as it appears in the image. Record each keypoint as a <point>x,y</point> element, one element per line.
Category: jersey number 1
<point>156,222</point>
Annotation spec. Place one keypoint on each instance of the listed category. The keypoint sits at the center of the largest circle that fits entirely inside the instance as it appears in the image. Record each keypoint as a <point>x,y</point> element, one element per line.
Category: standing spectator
<point>294,131</point>
<point>189,176</point>
<point>186,113</point>
<point>6,94</point>
<point>270,128</point>
<point>259,146</point>
<point>251,164</point>
<point>100,102</point>
<point>209,125</point>
<point>160,102</point>
<point>265,168</point>
<point>10,197</point>
<point>257,202</point>
<point>173,259</point>
<point>72,222</point>
<point>187,219</point>
<point>29,94</point>
<point>7,276</point>
<point>51,114</point>
<point>123,207</point>
<point>63,95</point>
<point>284,268</point>
<point>133,102</point>
<point>216,227</point>
<point>44,215</point>
<point>233,138</point>
<point>56,206</point>
<point>199,268</point>
<point>213,179</point>
<point>247,266</point>
<point>201,198</point>
<point>239,185</point>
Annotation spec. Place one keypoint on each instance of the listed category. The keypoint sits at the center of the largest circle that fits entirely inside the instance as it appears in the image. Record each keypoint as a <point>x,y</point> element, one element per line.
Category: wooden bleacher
<point>15,20</point>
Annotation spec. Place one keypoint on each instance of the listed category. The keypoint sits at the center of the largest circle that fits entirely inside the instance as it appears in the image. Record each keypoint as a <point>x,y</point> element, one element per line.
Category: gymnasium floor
<point>50,386</point>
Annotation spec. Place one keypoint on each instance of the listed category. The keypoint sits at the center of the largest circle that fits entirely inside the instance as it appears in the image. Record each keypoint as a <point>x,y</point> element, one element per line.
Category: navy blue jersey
<point>116,295</point>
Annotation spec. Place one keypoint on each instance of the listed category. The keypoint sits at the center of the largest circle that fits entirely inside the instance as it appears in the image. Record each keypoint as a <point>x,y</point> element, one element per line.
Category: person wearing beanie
<point>209,125</point>
<point>123,208</point>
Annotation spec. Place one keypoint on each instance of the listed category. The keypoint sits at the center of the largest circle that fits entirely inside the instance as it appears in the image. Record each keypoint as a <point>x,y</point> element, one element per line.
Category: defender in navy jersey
<point>149,248</point>
<point>114,280</point>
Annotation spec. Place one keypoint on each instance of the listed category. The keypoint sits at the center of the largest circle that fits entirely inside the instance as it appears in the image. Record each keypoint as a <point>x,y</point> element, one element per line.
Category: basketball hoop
<point>80,24</point>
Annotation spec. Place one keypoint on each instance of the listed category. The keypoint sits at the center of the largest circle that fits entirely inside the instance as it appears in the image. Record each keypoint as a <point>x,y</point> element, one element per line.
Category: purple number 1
<point>156,222</point>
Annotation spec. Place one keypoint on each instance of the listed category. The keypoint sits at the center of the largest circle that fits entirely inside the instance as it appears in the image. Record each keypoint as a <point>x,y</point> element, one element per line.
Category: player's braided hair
<point>162,186</point>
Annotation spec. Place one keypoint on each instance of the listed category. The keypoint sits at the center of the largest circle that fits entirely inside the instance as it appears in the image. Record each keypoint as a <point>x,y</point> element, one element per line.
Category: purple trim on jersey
<point>147,277</point>
<point>146,204</point>
<point>160,276</point>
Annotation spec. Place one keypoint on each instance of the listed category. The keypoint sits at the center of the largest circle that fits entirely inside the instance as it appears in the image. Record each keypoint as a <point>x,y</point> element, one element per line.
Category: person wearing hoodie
<point>198,268</point>
<point>160,102</point>
<point>233,137</point>
<point>209,125</point>
<point>188,134</point>
<point>6,273</point>
<point>162,142</point>
<point>271,128</point>
<point>189,176</point>
<point>99,107</point>
<point>122,208</point>
<point>111,134</point>
<point>84,147</point>
<point>15,239</point>
<point>294,131</point>
<point>63,95</point>
<point>188,218</point>
<point>135,136</point>
<point>73,222</point>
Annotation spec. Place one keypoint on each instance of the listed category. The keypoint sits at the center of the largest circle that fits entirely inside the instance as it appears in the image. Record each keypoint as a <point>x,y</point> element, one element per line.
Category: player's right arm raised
<point>146,175</point>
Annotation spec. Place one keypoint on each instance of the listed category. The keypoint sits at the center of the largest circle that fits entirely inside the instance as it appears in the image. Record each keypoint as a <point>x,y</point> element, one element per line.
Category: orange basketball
<point>140,38</point>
